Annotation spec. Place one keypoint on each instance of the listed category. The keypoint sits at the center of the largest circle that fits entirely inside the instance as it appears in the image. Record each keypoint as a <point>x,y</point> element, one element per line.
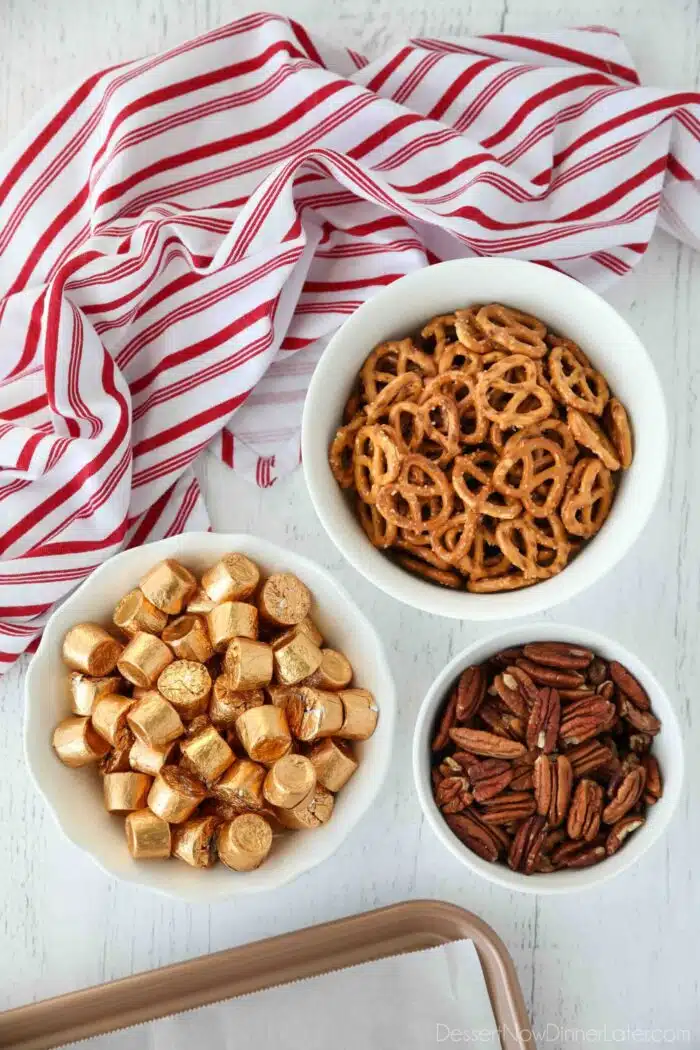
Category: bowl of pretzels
<point>484,439</point>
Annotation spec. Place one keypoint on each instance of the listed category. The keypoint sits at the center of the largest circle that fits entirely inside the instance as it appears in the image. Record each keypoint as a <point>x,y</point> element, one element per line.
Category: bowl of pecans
<point>209,716</point>
<point>484,438</point>
<point>547,758</point>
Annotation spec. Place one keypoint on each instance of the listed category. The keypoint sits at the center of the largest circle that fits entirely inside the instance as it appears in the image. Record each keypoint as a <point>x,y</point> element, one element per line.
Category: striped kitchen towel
<point>180,234</point>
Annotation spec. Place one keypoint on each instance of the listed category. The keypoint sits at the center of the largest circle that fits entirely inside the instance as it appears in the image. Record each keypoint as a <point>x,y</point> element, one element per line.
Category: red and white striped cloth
<point>179,235</point>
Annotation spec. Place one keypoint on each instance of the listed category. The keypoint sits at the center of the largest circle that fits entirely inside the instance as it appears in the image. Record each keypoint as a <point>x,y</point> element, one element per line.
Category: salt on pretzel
<point>508,393</point>
<point>472,480</point>
<point>538,548</point>
<point>578,385</point>
<point>420,500</point>
<point>406,387</point>
<point>553,429</point>
<point>456,357</point>
<point>534,471</point>
<point>440,421</point>
<point>470,333</point>
<point>473,424</point>
<point>406,421</point>
<point>588,498</point>
<point>589,434</point>
<point>376,460</point>
<point>452,541</point>
<point>485,559</point>
<point>392,359</point>
<point>516,332</point>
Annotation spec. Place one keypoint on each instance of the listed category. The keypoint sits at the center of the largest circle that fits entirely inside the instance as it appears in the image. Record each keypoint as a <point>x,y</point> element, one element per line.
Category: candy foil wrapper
<point>227,704</point>
<point>314,811</point>
<point>197,725</point>
<point>77,744</point>
<point>135,613</point>
<point>144,659</point>
<point>315,713</point>
<point>200,603</point>
<point>248,664</point>
<point>187,685</point>
<point>231,620</point>
<point>125,791</point>
<point>296,659</point>
<point>334,671</point>
<point>154,721</point>
<point>86,691</point>
<point>333,762</point>
<point>241,786</point>
<point>244,843</point>
<point>175,794</point>
<point>145,759</point>
<point>109,718</point>
<point>207,755</point>
<point>90,649</point>
<point>195,841</point>
<point>281,695</point>
<point>234,578</point>
<point>117,760</point>
<point>361,714</point>
<point>188,638</point>
<point>289,781</point>
<point>284,600</point>
<point>264,733</point>
<point>169,586</point>
<point>147,836</point>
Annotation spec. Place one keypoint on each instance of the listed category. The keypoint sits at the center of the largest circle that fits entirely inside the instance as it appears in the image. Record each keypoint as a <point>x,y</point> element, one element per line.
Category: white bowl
<point>668,748</point>
<point>74,796</point>
<point>572,310</point>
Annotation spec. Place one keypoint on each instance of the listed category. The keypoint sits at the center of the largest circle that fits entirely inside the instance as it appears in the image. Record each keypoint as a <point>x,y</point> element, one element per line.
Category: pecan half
<point>506,688</point>
<point>442,736</point>
<point>644,721</point>
<point>585,811</point>
<point>553,780</point>
<point>509,807</point>
<point>489,778</point>
<point>527,845</point>
<point>508,656</point>
<point>502,721</point>
<point>606,689</point>
<point>527,686</point>
<point>578,855</point>
<point>559,654</point>
<point>476,836</point>
<point>629,685</point>
<point>653,788</point>
<point>487,744</point>
<point>570,695</point>
<point>585,719</point>
<point>543,724</point>
<point>640,742</point>
<point>597,671</point>
<point>453,795</point>
<point>551,676</point>
<point>588,756</point>
<point>626,796</point>
<point>471,689</point>
<point>620,832</point>
<point>463,759</point>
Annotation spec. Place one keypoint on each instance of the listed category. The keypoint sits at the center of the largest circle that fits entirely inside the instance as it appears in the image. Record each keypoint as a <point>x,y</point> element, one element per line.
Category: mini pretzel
<point>472,480</point>
<point>510,580</point>
<point>342,451</point>
<point>510,395</point>
<point>559,340</point>
<point>421,498</point>
<point>578,385</point>
<point>588,498</point>
<point>517,332</point>
<point>532,470</point>
<point>380,368</point>
<point>439,418</point>
<point>617,425</point>
<point>376,461</point>
<point>589,434</point>
<point>470,333</point>
<point>473,424</point>
<point>439,331</point>
<point>421,551</point>
<point>456,357</point>
<point>406,421</point>
<point>538,549</point>
<point>555,430</point>
<point>485,560</point>
<point>445,577</point>
<point>453,540</point>
<point>380,532</point>
<point>406,387</point>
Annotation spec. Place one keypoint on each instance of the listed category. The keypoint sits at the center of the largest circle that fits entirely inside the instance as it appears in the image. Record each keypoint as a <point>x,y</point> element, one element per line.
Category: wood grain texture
<point>624,955</point>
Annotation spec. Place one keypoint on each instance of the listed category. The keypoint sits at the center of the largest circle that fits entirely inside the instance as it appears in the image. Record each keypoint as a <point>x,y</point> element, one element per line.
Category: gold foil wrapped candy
<point>186,684</point>
<point>315,713</point>
<point>248,664</point>
<point>284,600</point>
<point>264,733</point>
<point>195,841</point>
<point>334,671</point>
<point>86,691</point>
<point>143,659</point>
<point>241,786</point>
<point>207,755</point>
<point>125,791</point>
<point>77,744</point>
<point>231,620</point>
<point>135,613</point>
<point>147,836</point>
<point>169,586</point>
<point>233,578</point>
<point>90,649</point>
<point>296,659</point>
<point>289,781</point>
<point>200,603</point>
<point>188,638</point>
<point>244,843</point>
<point>361,714</point>
<point>314,811</point>
<point>145,759</point>
<point>227,703</point>
<point>175,794</point>
<point>154,721</point>
<point>109,718</point>
<point>333,762</point>
<point>117,760</point>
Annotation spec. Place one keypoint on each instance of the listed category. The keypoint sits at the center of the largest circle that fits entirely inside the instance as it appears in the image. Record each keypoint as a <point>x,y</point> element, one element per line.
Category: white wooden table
<point>625,956</point>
